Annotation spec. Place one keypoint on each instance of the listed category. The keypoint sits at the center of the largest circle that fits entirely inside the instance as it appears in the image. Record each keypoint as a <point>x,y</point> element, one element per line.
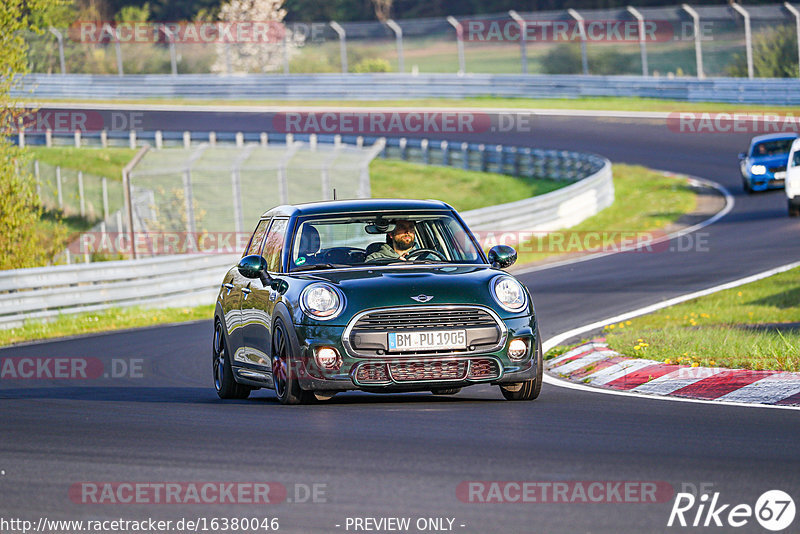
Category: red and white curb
<point>596,365</point>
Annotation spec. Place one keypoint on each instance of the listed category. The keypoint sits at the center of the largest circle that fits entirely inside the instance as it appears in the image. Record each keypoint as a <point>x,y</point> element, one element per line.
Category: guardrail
<point>173,281</point>
<point>396,86</point>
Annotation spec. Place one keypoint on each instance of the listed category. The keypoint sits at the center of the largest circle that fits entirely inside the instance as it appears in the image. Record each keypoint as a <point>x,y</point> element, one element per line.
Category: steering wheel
<point>419,252</point>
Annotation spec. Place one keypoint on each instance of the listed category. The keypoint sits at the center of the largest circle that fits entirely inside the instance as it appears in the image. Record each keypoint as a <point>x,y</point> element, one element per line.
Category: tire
<point>224,383</point>
<point>530,389</point>
<point>287,387</point>
<point>746,186</point>
<point>794,209</point>
<point>445,391</point>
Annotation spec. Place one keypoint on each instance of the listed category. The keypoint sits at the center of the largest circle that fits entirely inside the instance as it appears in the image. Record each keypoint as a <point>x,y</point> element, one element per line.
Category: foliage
<point>566,59</point>
<point>21,244</point>
<point>372,65</point>
<point>774,55</point>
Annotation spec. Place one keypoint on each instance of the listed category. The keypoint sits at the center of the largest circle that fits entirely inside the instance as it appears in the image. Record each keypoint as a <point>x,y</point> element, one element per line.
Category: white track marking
<point>618,370</point>
<point>584,361</point>
<point>671,382</point>
<point>768,389</point>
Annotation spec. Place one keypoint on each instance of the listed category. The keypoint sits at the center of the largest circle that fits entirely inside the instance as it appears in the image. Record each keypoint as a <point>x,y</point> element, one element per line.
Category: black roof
<point>334,207</point>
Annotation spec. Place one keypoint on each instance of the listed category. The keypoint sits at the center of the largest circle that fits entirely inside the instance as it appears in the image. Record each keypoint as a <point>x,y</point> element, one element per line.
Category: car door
<point>232,288</point>
<point>793,173</point>
<point>258,301</point>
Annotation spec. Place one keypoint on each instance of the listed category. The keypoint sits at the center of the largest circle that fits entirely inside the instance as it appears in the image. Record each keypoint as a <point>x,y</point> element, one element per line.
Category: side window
<point>258,237</point>
<point>795,159</point>
<point>273,246</point>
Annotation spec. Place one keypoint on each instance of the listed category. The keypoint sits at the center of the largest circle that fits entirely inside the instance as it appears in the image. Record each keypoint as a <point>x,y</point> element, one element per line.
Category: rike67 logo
<point>774,510</point>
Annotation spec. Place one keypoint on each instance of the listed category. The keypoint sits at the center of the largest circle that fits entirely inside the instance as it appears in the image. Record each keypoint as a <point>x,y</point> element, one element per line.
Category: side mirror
<point>254,266</point>
<point>502,256</point>
<point>742,155</point>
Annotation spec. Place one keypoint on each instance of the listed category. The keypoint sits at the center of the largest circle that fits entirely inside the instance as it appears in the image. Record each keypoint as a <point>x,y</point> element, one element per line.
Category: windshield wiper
<point>314,266</point>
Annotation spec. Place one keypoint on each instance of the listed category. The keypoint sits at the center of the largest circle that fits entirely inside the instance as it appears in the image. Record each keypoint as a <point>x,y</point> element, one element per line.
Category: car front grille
<point>367,334</point>
<point>777,169</point>
<point>420,319</point>
<point>401,372</point>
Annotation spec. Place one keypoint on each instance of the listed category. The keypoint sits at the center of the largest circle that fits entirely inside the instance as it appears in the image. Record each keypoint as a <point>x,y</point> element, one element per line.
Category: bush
<point>372,65</point>
<point>566,59</point>
<point>774,55</point>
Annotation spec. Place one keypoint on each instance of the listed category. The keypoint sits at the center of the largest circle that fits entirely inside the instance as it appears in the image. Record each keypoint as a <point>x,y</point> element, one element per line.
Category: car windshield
<point>337,242</point>
<point>772,148</point>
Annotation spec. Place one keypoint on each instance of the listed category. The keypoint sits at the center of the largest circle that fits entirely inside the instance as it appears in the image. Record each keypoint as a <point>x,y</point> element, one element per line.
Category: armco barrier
<point>395,86</point>
<point>174,281</point>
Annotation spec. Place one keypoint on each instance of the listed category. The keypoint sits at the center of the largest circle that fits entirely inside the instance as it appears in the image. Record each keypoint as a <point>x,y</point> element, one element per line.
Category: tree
<point>21,245</point>
<point>253,54</point>
<point>774,55</point>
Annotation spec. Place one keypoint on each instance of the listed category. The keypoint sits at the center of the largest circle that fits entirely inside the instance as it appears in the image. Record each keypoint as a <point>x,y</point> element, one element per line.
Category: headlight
<point>321,301</point>
<point>508,293</point>
<point>758,169</point>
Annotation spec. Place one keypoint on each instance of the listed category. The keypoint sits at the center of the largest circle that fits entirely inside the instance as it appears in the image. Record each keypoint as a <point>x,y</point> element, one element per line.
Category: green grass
<point>644,201</point>
<point>590,103</point>
<point>464,190</point>
<point>102,321</point>
<point>711,330</point>
<point>107,162</point>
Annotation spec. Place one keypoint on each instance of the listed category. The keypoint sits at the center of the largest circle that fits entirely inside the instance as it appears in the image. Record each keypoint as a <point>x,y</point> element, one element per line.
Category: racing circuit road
<point>405,455</point>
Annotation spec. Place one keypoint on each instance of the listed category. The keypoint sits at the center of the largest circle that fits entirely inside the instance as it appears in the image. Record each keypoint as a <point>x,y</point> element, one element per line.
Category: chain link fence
<point>681,40</point>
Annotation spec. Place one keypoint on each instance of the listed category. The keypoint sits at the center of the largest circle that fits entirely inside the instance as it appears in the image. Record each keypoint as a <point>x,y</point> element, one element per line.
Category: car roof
<point>772,137</point>
<point>333,207</point>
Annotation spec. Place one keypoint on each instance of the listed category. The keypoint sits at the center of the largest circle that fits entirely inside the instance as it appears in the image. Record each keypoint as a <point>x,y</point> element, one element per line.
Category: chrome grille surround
<point>439,317</point>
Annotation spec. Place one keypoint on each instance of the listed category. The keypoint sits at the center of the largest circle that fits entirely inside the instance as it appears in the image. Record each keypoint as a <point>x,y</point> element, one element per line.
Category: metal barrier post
<point>59,189</point>
<point>126,191</point>
<point>81,197</point>
<point>105,199</point>
<point>748,37</point>
<point>642,38</point>
<point>173,56</point>
<point>60,38</point>
<point>462,69</point>
<point>398,34</point>
<point>342,43</point>
<point>698,51</point>
<point>582,31</point>
<point>791,9</point>
<point>523,39</point>
<point>117,46</point>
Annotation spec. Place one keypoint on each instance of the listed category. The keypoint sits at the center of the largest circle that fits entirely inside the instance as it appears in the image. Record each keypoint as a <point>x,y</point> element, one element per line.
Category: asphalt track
<point>405,455</point>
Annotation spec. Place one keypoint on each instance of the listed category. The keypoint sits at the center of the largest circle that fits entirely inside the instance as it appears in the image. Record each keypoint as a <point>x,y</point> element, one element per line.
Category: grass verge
<point>755,326</point>
<point>645,201</point>
<point>107,162</point>
<point>103,321</point>
<point>590,103</point>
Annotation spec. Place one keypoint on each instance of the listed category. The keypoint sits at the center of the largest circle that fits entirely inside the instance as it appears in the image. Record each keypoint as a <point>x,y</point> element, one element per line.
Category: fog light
<point>517,349</point>
<point>327,358</point>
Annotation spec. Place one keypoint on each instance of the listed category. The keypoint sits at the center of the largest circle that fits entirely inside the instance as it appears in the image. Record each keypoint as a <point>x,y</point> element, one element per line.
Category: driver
<point>399,242</point>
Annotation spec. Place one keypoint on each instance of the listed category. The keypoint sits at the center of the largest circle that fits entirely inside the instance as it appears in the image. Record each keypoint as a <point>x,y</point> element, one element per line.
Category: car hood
<point>769,161</point>
<point>387,286</point>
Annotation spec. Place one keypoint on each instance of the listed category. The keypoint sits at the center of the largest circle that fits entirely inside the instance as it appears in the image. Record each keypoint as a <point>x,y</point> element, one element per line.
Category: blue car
<point>764,165</point>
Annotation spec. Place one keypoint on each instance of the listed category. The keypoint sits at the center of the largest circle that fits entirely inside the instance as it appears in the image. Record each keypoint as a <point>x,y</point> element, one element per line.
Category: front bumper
<point>413,373</point>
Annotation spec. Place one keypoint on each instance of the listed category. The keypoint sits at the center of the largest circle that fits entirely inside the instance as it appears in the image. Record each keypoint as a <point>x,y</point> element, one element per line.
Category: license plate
<point>780,175</point>
<point>433,340</point>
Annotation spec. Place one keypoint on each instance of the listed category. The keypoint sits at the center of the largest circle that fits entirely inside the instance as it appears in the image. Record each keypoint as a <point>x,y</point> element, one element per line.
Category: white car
<point>793,179</point>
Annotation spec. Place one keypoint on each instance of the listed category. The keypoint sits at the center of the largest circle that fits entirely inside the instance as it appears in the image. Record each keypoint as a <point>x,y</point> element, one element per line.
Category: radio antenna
<point>334,193</point>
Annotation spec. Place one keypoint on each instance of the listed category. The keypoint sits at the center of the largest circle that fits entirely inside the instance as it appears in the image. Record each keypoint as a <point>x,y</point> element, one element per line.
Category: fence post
<point>465,155</point>
<point>21,138</point>
<point>791,9</point>
<point>423,145</point>
<point>173,57</point>
<point>462,69</point>
<point>398,34</point>
<point>188,201</point>
<point>117,46</point>
<point>445,148</point>
<point>523,39</point>
<point>482,151</point>
<point>104,138</point>
<point>239,139</point>
<point>312,142</point>
<point>105,198</point>
<point>698,51</point>
<point>264,138</point>
<point>342,43</point>
<point>159,140</point>
<point>283,179</point>
<point>748,37</point>
<point>285,51</point>
<point>128,197</point>
<point>77,137</point>
<point>212,138</point>
<point>132,139</point>
<point>500,159</point>
<point>325,177</point>
<point>60,38</point>
<point>187,140</point>
<point>37,175</point>
<point>582,32</point>
<point>81,197</point>
<point>642,38</point>
<point>403,144</point>
<point>48,138</point>
<point>59,189</point>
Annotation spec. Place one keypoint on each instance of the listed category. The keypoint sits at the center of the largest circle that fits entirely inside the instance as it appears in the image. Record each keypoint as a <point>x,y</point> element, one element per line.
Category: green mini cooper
<point>375,295</point>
